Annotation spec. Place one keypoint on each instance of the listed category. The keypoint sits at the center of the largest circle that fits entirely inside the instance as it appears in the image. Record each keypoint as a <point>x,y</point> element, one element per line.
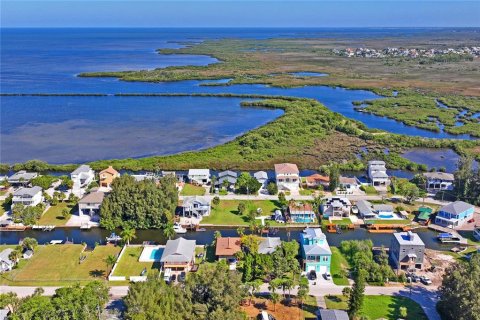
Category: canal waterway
<point>97,235</point>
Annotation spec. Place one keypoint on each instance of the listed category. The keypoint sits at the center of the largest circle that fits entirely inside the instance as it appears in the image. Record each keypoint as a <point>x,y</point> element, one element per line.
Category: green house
<point>316,253</point>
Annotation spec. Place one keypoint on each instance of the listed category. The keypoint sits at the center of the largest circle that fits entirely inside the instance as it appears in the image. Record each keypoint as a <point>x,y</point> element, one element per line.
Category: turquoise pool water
<point>156,254</point>
<point>385,216</point>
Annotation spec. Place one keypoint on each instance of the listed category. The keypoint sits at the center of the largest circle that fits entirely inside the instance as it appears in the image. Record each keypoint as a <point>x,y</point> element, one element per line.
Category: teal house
<point>316,253</point>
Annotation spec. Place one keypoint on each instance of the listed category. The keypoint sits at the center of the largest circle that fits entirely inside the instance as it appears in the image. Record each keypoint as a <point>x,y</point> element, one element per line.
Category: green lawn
<point>306,192</point>
<point>310,308</point>
<point>59,265</point>
<point>54,216</point>
<point>376,307</point>
<point>369,190</point>
<point>226,212</point>
<point>338,264</point>
<point>129,264</point>
<point>3,207</point>
<point>191,190</point>
<point>387,221</point>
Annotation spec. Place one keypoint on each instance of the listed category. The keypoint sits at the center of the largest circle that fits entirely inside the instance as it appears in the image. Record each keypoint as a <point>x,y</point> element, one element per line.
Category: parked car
<point>182,276</point>
<point>425,280</point>
<point>354,209</point>
<point>327,276</point>
<point>264,315</point>
<point>312,275</point>
<point>173,278</point>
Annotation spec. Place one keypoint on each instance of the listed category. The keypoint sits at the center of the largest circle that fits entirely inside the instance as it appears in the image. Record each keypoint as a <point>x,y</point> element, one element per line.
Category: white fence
<point>111,277</point>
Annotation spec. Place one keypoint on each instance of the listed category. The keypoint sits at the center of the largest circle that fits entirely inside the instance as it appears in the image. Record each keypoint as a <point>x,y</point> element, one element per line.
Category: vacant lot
<point>54,215</point>
<point>226,213</point>
<point>280,311</point>
<point>376,307</point>
<point>129,264</point>
<point>59,264</point>
<point>339,267</point>
<point>191,190</point>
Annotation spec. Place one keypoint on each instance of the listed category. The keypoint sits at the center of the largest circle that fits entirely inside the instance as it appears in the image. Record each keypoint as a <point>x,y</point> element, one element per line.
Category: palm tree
<point>14,256</point>
<point>128,234</point>
<point>110,261</point>
<point>275,297</point>
<point>168,231</point>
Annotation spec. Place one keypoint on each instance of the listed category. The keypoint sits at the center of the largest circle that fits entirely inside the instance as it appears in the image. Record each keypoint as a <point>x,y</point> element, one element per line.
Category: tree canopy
<point>140,205</point>
<point>246,184</point>
<point>467,181</point>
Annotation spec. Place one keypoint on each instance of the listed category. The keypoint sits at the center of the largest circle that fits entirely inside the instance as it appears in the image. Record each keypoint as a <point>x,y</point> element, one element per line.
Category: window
<point>325,259</point>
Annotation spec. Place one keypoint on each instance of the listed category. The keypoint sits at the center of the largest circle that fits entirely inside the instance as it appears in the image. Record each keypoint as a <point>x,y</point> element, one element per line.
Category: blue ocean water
<point>77,129</point>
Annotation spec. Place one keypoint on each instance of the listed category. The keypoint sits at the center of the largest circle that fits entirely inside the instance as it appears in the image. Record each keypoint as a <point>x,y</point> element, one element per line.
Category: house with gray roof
<point>28,196</point>
<point>269,245</point>
<point>179,255</point>
<point>315,251</point>
<point>365,209</point>
<point>5,263</point>
<point>21,178</point>
<point>407,251</point>
<point>199,176</point>
<point>333,314</point>
<point>91,203</point>
<point>81,177</point>
<point>377,173</point>
<point>454,214</point>
<point>195,206</point>
<point>261,177</point>
<point>439,181</point>
<point>228,178</point>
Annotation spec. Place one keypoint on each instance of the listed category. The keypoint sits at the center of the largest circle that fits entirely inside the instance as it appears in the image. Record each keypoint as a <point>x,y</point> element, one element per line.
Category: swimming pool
<point>151,254</point>
<point>385,216</point>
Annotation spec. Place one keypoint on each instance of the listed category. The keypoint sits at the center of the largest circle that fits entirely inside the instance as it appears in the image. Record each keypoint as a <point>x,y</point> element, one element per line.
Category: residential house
<point>287,176</point>
<point>199,176</point>
<point>226,248</point>
<point>269,244</point>
<point>28,196</point>
<point>5,263</point>
<point>454,214</point>
<point>107,176</point>
<point>90,204</point>
<point>439,181</point>
<point>21,178</point>
<point>178,255</point>
<point>81,177</point>
<point>227,178</point>
<point>336,207</point>
<point>317,180</point>
<point>377,173</point>
<point>333,314</point>
<point>261,177</point>
<point>476,233</point>
<point>145,176</point>
<point>424,214</point>
<point>27,254</point>
<point>407,251</point>
<point>347,185</point>
<point>195,205</point>
<point>383,210</point>
<point>301,212</point>
<point>315,251</point>
<point>365,209</point>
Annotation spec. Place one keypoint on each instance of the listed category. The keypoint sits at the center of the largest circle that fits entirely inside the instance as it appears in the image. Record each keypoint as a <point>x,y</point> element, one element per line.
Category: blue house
<point>316,253</point>
<point>454,214</point>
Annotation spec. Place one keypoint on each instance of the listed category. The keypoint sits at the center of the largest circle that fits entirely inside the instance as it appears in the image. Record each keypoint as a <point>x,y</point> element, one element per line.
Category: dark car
<point>182,276</point>
<point>312,275</point>
<point>173,279</point>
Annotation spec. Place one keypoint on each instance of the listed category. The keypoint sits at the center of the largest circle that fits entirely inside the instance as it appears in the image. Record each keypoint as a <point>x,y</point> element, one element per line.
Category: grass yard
<point>129,264</point>
<point>339,267</point>
<point>54,216</point>
<point>369,190</point>
<point>376,307</point>
<point>59,265</point>
<point>387,221</point>
<point>226,213</point>
<point>3,207</point>
<point>306,192</point>
<point>191,190</point>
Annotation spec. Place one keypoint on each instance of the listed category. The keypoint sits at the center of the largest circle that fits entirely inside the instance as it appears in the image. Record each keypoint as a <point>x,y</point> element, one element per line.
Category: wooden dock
<point>387,228</point>
<point>457,237</point>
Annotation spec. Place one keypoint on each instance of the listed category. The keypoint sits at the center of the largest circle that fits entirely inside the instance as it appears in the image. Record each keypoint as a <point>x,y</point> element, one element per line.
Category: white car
<point>354,209</point>
<point>327,276</point>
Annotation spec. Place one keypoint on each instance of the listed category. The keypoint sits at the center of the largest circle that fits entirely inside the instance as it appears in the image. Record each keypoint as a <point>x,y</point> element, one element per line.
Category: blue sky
<point>246,13</point>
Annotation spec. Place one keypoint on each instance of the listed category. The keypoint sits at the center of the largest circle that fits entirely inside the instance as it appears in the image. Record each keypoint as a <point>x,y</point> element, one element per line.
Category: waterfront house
<point>178,255</point>
<point>365,209</point>
<point>229,176</point>
<point>27,196</point>
<point>21,178</point>
<point>333,314</point>
<point>454,214</point>
<point>347,185</point>
<point>301,212</point>
<point>195,205</point>
<point>145,176</point>
<point>5,263</point>
<point>317,180</point>
<point>90,204</point>
<point>227,247</point>
<point>261,177</point>
<point>336,207</point>
<point>27,254</point>
<point>315,251</point>
<point>287,176</point>
<point>439,181</point>
<point>383,210</point>
<point>269,244</point>
<point>377,173</point>
<point>107,176</point>
<point>81,178</point>
<point>199,176</point>
<point>407,251</point>
<point>424,214</point>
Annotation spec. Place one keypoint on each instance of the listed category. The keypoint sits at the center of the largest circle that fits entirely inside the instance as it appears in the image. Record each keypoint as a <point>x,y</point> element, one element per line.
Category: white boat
<point>179,229</point>
<point>113,237</point>
<point>56,242</point>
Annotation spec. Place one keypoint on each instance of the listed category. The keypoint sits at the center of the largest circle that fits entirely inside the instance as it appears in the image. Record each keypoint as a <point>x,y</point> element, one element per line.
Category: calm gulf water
<point>77,129</point>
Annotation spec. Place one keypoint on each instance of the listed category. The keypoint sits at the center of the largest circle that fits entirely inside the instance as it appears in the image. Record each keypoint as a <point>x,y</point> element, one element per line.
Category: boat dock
<point>387,228</point>
<point>455,236</point>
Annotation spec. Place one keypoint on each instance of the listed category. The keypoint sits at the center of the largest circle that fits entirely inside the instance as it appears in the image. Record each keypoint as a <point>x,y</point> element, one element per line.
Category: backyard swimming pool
<point>151,254</point>
<point>386,216</point>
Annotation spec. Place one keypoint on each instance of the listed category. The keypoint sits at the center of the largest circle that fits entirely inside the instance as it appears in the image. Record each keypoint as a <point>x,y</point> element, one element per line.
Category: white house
<point>229,176</point>
<point>21,177</point>
<point>336,207</point>
<point>28,196</point>
<point>287,176</point>
<point>377,173</point>
<point>439,181</point>
<point>199,176</point>
<point>5,263</point>
<point>81,177</point>
<point>195,205</point>
<point>347,185</point>
<point>261,177</point>
<point>90,204</point>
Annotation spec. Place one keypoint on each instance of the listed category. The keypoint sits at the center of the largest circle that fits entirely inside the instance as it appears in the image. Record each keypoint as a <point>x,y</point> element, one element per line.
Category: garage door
<point>310,268</point>
<point>323,269</point>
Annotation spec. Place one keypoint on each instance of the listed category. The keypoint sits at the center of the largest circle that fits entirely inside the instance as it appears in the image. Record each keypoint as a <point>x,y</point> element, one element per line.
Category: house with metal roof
<point>365,209</point>
<point>261,177</point>
<point>28,196</point>
<point>91,203</point>
<point>287,176</point>
<point>5,263</point>
<point>454,214</point>
<point>377,173</point>
<point>179,255</point>
<point>407,251</point>
<point>199,176</point>
<point>228,178</point>
<point>439,181</point>
<point>21,178</point>
<point>269,245</point>
<point>195,206</point>
<point>333,314</point>
<point>348,185</point>
<point>315,251</point>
